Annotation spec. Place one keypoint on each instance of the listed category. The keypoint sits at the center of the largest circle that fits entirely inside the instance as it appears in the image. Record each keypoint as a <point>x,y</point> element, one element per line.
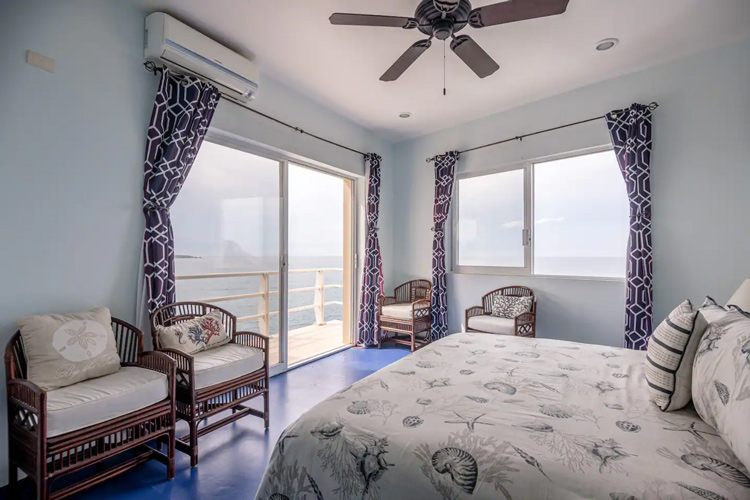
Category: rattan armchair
<point>46,459</point>
<point>523,325</point>
<point>407,315</point>
<point>195,403</point>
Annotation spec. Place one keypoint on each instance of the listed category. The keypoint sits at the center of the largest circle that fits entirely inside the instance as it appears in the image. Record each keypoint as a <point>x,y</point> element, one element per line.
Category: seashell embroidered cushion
<point>195,335</point>
<point>64,349</point>
<point>721,380</point>
<point>671,351</point>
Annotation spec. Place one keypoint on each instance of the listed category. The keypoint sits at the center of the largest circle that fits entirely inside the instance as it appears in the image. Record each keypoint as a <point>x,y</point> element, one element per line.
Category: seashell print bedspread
<point>479,416</point>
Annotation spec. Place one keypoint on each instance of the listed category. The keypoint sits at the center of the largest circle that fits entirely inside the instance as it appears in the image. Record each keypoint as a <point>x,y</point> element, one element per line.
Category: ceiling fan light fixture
<point>405,114</point>
<point>606,44</point>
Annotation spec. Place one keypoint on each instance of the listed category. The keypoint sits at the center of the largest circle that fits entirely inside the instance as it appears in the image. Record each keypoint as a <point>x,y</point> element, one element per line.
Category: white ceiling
<point>340,66</point>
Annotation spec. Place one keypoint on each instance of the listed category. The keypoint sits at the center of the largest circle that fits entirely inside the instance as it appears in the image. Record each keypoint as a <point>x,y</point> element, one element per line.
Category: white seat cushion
<point>400,311</point>
<point>100,399</point>
<point>224,363</point>
<point>493,324</point>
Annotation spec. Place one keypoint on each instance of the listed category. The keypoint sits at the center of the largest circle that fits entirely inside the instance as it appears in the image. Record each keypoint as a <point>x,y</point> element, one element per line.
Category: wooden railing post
<point>320,297</point>
<point>264,306</point>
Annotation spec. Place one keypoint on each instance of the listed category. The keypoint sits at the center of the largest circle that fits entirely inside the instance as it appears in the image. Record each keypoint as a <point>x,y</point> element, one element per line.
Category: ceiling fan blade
<point>406,60</point>
<point>368,20</point>
<point>515,10</point>
<point>474,56</point>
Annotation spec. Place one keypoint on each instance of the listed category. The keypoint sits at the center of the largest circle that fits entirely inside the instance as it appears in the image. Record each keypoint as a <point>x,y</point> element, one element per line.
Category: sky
<point>580,209</point>
<point>229,207</point>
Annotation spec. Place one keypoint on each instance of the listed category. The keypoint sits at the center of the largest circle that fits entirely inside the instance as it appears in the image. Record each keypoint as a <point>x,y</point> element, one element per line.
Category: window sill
<point>538,276</point>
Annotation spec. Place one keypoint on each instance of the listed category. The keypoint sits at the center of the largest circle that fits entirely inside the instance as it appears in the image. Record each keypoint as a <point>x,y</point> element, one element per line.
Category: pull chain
<point>444,92</point>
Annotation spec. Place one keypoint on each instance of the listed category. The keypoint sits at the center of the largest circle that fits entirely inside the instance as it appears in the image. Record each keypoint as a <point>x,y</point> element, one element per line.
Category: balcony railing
<point>264,294</point>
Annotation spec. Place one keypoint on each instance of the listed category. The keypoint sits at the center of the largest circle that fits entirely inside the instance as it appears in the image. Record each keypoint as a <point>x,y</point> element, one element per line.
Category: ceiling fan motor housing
<point>436,19</point>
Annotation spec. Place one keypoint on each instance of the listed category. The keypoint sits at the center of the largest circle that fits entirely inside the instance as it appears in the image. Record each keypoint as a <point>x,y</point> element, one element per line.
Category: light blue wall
<point>71,157</point>
<point>700,183</point>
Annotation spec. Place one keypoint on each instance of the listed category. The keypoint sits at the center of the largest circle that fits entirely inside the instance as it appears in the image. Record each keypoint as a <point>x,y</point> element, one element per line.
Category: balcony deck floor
<point>310,341</point>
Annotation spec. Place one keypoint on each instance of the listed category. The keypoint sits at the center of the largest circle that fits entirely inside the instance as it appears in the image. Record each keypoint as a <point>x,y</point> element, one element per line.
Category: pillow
<point>509,307</point>
<point>721,380</point>
<point>741,298</point>
<point>669,357</point>
<point>710,312</point>
<point>64,349</point>
<point>198,334</point>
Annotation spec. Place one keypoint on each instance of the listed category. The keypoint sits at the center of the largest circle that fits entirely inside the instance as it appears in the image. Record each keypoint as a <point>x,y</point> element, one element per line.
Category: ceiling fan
<point>442,19</point>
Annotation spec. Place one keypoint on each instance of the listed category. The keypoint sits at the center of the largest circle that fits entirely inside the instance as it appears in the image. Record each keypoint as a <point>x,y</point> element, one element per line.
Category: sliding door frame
<point>242,144</point>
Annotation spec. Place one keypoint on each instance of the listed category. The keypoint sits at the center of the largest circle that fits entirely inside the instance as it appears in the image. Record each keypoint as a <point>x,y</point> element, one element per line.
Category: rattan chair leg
<point>42,488</point>
<point>170,454</point>
<point>193,443</point>
<point>12,474</point>
<point>266,412</point>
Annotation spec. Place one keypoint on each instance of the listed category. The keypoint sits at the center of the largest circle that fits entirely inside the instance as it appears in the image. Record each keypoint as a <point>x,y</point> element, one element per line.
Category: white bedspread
<point>488,417</point>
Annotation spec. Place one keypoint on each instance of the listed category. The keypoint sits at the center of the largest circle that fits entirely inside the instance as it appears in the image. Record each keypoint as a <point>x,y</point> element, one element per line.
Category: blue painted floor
<point>233,458</point>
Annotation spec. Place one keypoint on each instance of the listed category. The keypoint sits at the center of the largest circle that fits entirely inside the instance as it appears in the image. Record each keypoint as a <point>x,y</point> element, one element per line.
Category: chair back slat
<point>15,360</point>
<point>412,290</point>
<point>179,312</point>
<point>508,291</point>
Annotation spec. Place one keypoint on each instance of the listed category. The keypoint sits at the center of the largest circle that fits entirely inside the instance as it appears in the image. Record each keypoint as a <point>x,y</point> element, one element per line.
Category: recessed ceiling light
<point>606,44</point>
<point>405,114</point>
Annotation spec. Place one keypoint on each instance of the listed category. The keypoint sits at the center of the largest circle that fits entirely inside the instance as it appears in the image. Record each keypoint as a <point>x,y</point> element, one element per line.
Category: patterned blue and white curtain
<point>372,273</point>
<point>445,175</point>
<point>630,130</point>
<point>182,113</point>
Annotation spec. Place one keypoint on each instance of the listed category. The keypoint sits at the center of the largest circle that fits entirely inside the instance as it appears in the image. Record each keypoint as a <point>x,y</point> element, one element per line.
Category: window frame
<point>528,269</point>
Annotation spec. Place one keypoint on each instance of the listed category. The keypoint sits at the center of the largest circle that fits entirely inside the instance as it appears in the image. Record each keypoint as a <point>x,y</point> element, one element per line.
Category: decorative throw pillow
<point>509,307</point>
<point>721,380</point>
<point>204,332</point>
<point>64,349</point>
<point>669,357</point>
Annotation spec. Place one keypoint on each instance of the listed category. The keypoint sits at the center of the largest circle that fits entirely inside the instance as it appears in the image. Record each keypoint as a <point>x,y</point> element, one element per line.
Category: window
<point>562,217</point>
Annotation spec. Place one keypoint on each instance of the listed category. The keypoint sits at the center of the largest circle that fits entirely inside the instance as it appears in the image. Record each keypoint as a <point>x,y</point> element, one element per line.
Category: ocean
<point>208,288</point>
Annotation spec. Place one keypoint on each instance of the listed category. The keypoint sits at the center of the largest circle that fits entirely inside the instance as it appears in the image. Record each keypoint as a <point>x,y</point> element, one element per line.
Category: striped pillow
<point>669,358</point>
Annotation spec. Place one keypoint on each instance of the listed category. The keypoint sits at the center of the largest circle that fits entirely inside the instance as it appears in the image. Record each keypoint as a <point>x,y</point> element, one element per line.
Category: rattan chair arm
<point>527,317</point>
<point>251,339</point>
<point>184,362</point>
<point>27,394</point>
<point>420,304</point>
<point>525,324</point>
<point>162,363</point>
<point>159,362</point>
<point>474,311</point>
<point>386,301</point>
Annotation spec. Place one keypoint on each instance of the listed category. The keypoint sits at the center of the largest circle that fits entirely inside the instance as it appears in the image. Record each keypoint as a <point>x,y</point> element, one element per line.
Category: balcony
<point>304,342</point>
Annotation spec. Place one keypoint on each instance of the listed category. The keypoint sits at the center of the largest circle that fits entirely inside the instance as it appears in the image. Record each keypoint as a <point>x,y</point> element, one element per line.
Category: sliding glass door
<point>320,239</point>
<point>271,242</point>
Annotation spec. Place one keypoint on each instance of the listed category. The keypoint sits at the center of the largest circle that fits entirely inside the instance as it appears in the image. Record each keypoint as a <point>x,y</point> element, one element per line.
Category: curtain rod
<point>153,68</point>
<point>651,107</point>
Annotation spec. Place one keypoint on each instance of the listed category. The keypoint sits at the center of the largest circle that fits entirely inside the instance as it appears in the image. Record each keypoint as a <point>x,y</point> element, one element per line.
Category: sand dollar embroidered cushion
<point>195,335</point>
<point>509,307</point>
<point>669,357</point>
<point>64,349</point>
<point>721,380</point>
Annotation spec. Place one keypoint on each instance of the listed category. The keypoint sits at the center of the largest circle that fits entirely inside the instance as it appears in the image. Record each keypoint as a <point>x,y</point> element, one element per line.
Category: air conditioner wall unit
<point>176,45</point>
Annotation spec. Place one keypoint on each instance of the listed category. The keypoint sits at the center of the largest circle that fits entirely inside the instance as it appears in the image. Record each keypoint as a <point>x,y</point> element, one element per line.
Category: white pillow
<point>721,380</point>
<point>198,334</point>
<point>64,349</point>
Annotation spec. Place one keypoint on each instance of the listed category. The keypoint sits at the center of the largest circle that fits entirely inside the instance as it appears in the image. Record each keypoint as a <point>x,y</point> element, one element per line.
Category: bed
<point>487,417</point>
